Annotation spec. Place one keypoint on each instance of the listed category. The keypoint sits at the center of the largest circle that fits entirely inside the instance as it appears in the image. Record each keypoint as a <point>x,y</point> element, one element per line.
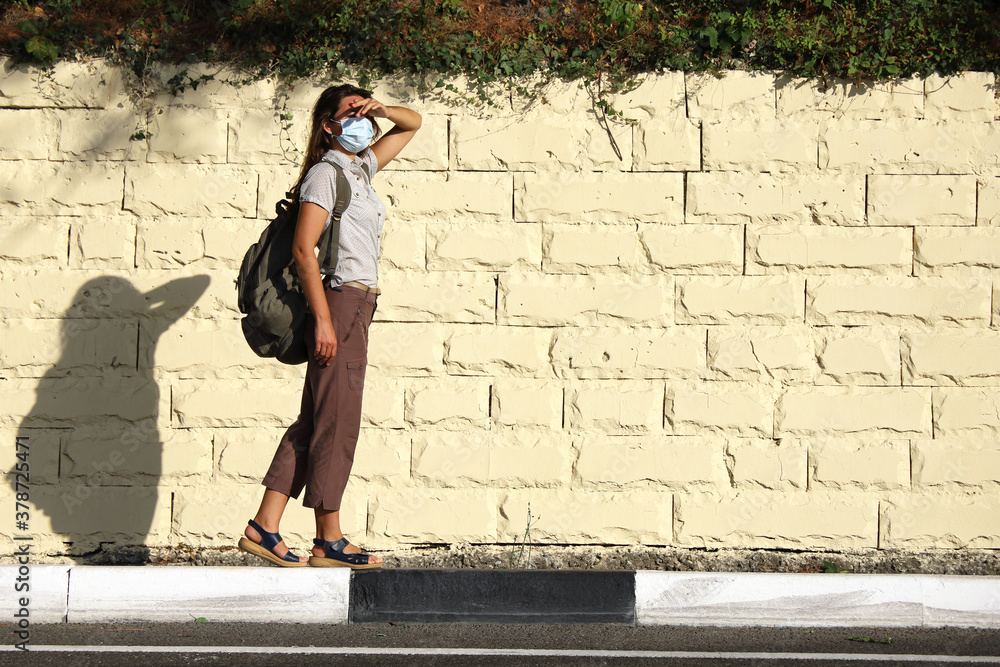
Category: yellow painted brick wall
<point>752,313</point>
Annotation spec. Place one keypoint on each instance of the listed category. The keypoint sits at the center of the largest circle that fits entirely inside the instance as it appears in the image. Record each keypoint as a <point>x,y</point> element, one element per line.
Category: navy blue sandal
<point>334,556</point>
<point>265,549</point>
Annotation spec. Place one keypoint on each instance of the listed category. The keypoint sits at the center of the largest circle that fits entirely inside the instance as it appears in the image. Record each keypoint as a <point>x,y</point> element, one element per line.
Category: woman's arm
<point>312,218</point>
<point>406,122</point>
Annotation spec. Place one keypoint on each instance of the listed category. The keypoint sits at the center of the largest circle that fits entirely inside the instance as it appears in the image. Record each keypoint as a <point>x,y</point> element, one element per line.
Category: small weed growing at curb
<point>870,640</point>
<point>517,551</point>
<point>829,567</point>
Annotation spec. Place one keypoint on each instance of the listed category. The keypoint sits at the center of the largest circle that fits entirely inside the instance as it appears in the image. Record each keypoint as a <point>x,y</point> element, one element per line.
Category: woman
<point>317,451</point>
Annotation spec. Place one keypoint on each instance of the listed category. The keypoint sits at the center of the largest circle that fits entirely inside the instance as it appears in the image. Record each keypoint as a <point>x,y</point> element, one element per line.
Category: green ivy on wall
<point>492,40</point>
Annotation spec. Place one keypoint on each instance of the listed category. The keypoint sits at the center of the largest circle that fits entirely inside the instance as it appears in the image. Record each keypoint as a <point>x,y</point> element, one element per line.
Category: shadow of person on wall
<point>96,415</point>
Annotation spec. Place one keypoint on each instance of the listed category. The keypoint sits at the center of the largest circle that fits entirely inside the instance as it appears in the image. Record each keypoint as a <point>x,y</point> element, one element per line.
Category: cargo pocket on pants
<point>356,375</point>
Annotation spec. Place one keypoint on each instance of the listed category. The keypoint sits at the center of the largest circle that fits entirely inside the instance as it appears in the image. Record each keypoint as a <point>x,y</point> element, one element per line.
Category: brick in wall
<point>107,243</point>
<point>957,462</point>
<point>735,197</point>
<point>970,411</point>
<point>951,358</point>
<point>944,251</point>
<point>244,454</point>
<point>428,150</point>
<point>921,200</point>
<point>406,349</point>
<point>598,197</point>
<point>732,95</point>
<point>524,402</point>
<point>749,299</point>
<point>755,463</point>
<point>671,143</point>
<point>543,300</point>
<point>233,403</point>
<point>905,146</point>
<point>762,352</point>
<point>693,248</point>
<point>207,86</point>
<point>840,98</point>
<point>564,515</point>
<point>191,190</point>
<point>455,404</point>
<point>34,241</point>
<point>988,202</point>
<point>420,514</point>
<point>383,457</point>
<point>28,134</point>
<point>105,134</point>
<point>656,95</point>
<point>48,188</point>
<point>438,296</point>
<point>454,460</point>
<point>139,454</point>
<point>859,355</point>
<point>760,145</point>
<point>776,520</point>
<point>492,248</point>
<point>538,141</point>
<point>44,444</point>
<point>865,463</point>
<point>966,96</point>
<point>610,352</point>
<point>896,300</point>
<point>446,195</point>
<point>383,405</point>
<point>500,351</point>
<point>935,521</point>
<point>67,347</point>
<point>785,249</point>
<point>67,85</point>
<point>614,462</point>
<point>84,516</point>
<point>845,411</point>
<point>615,406</point>
<point>738,409</point>
<point>74,401</point>
<point>572,249</point>
<point>531,457</point>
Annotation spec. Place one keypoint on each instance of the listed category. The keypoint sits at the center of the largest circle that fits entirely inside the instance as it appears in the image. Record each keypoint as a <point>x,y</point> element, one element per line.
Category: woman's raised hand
<point>368,106</point>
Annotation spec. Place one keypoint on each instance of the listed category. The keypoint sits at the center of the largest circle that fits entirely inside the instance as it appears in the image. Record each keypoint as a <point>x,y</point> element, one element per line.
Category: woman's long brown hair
<point>319,141</point>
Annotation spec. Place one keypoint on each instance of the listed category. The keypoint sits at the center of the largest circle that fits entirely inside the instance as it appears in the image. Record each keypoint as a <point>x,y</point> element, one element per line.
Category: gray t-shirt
<point>361,224</point>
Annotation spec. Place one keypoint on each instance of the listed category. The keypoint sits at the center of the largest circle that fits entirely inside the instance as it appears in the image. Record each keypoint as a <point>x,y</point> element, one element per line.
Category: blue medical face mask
<point>357,134</point>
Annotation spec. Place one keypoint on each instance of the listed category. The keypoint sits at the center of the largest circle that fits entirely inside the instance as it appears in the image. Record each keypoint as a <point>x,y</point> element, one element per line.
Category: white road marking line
<point>513,652</point>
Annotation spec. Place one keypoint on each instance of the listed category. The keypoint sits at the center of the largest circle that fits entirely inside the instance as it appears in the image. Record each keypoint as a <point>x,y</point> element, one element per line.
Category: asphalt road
<point>420,644</point>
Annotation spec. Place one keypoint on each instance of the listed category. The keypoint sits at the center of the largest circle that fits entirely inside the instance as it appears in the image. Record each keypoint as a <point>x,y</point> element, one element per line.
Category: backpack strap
<point>330,240</point>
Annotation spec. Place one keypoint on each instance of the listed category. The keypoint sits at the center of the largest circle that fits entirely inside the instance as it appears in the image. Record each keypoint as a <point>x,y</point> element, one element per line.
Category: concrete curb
<point>816,600</point>
<point>82,594</point>
<point>91,594</point>
<point>493,596</point>
<point>167,594</point>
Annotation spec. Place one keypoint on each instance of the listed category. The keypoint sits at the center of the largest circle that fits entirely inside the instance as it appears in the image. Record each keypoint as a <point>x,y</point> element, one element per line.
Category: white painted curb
<point>243,594</point>
<point>46,592</point>
<point>61,593</point>
<point>816,600</point>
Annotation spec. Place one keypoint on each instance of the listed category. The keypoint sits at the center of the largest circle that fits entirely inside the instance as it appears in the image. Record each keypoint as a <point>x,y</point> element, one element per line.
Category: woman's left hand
<point>368,107</point>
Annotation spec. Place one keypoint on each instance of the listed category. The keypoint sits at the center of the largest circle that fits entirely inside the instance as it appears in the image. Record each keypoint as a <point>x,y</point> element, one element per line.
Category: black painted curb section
<point>492,596</point>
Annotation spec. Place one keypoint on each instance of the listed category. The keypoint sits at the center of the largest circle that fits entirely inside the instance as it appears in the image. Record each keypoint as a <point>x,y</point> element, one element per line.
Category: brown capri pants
<point>317,451</point>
